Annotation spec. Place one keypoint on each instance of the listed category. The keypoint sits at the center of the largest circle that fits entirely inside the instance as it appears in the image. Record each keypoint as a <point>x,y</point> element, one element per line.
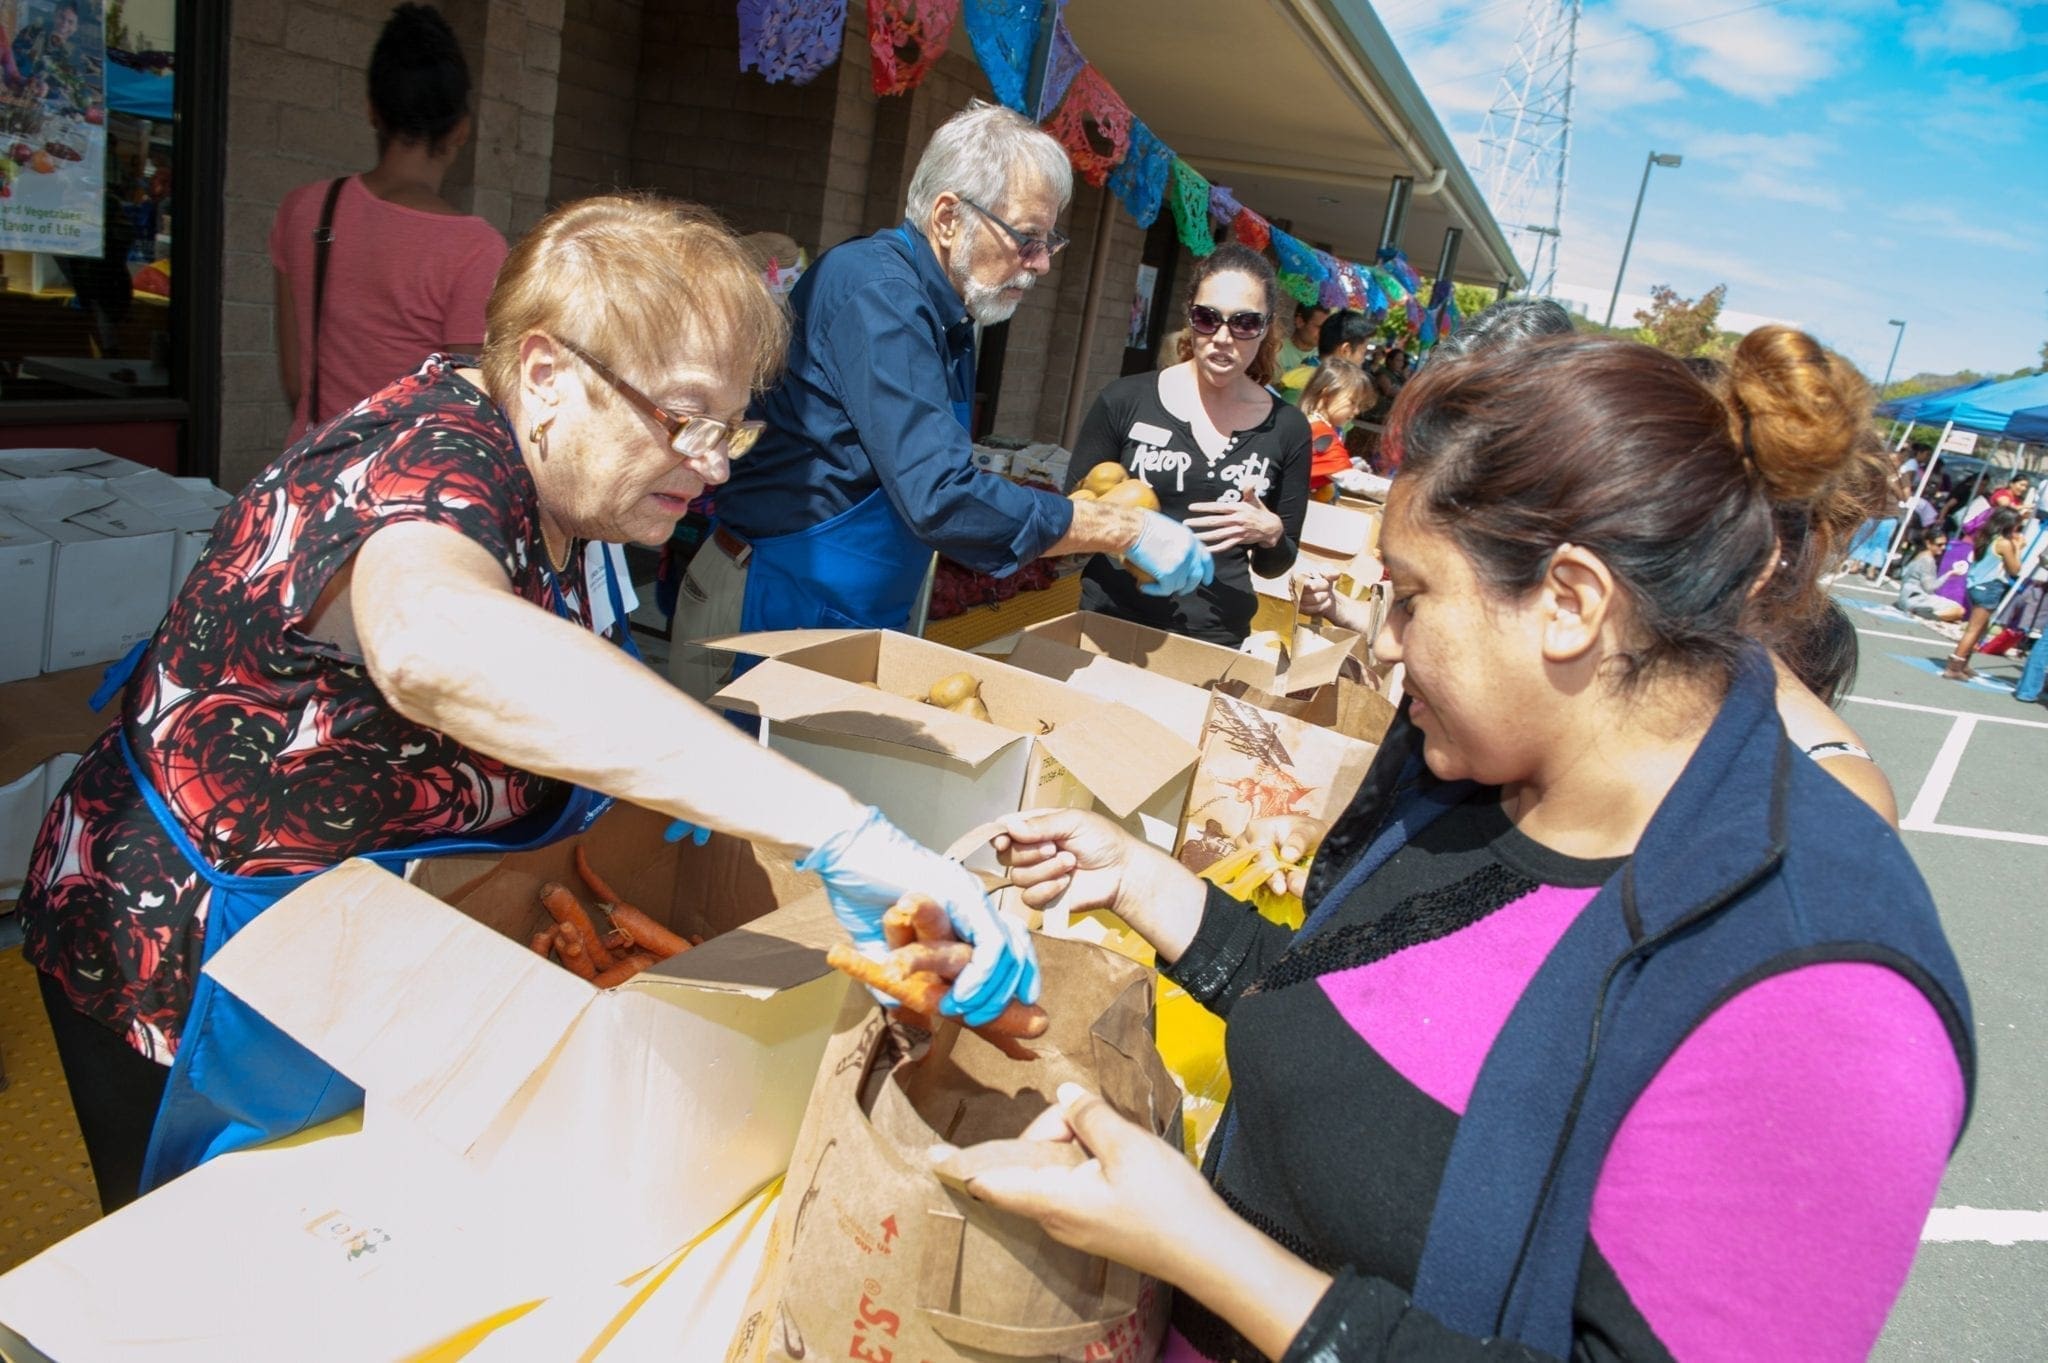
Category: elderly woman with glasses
<point>1222,454</point>
<point>408,639</point>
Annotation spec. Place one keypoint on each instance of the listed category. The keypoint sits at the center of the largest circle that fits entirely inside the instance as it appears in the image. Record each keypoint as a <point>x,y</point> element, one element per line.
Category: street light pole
<point>1668,159</point>
<point>1885,387</point>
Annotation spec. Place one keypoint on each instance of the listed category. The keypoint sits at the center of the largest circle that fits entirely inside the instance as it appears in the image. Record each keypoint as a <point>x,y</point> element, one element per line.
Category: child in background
<point>1335,395</point>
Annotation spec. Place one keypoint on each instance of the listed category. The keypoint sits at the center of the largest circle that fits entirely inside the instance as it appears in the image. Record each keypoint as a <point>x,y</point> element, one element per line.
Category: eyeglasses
<point>1244,326</point>
<point>691,437</point>
<point>1031,250</point>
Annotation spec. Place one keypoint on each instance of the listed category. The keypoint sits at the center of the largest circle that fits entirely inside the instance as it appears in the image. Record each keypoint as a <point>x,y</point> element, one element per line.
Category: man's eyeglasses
<point>1031,250</point>
<point>1244,326</point>
<point>692,437</point>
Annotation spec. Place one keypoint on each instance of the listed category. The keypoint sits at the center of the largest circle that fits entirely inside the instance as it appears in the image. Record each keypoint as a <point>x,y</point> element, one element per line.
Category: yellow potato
<point>949,692</point>
<point>1103,477</point>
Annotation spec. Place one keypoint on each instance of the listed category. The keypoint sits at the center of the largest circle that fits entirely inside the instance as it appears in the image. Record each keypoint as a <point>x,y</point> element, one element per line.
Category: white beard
<point>985,302</point>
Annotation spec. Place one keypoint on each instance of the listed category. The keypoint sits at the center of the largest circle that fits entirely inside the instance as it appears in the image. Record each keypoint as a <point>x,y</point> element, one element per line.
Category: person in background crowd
<point>2013,495</point>
<point>2031,620</point>
<point>1331,402</point>
<point>1303,339</point>
<point>1548,1072</point>
<point>1222,454</point>
<point>407,275</point>
<point>1922,576</point>
<point>1510,321</point>
<point>1346,335</point>
<point>1994,563</point>
<point>866,466</point>
<point>391,649</point>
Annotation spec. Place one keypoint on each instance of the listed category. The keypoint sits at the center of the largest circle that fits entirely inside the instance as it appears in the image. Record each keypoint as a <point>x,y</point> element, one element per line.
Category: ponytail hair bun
<point>1798,411</point>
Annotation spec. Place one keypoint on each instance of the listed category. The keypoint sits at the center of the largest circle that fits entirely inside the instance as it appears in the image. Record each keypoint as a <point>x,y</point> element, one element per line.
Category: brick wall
<point>296,71</point>
<point>595,109</point>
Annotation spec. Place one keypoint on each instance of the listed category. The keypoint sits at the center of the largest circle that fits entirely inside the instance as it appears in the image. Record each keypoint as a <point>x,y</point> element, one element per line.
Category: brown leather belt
<point>733,547</point>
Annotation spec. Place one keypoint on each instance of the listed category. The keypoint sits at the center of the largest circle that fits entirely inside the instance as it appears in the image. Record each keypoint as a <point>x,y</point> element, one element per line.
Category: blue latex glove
<point>1169,551</point>
<point>871,865</point>
<point>683,828</point>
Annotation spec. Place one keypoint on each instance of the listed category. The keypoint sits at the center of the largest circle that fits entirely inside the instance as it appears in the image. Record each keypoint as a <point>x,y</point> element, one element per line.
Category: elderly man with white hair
<point>865,468</point>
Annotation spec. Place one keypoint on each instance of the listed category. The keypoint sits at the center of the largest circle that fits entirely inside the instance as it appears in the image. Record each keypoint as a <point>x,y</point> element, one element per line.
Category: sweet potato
<point>567,911</point>
<point>575,953</point>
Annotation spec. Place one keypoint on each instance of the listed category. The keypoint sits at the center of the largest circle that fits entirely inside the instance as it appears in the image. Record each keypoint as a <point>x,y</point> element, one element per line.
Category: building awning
<point>1305,110</point>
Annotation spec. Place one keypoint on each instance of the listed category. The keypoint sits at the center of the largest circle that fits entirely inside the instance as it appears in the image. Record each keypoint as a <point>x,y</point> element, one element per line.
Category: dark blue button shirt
<point>880,351</point>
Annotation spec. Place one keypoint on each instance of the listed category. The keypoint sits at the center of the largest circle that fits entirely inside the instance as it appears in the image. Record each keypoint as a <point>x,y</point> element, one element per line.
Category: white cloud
<point>1964,28</point>
<point>1758,54</point>
<point>1782,167</point>
<point>1938,219</point>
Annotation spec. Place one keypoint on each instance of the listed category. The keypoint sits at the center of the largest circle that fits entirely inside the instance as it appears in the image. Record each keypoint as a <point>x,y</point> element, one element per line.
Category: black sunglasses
<point>691,437</point>
<point>1244,326</point>
<point>1030,250</point>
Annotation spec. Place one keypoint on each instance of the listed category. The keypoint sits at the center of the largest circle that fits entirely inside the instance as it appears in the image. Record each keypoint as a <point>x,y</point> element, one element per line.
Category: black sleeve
<point>1101,439</point>
<point>1291,506</point>
<point>1369,1320</point>
<point>1231,950</point>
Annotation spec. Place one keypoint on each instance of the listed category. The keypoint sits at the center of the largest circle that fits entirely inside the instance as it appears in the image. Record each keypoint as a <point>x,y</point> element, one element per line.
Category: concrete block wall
<point>595,107</point>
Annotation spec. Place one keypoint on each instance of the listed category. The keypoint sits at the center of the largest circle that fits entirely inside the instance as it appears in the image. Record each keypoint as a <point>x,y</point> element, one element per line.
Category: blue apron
<point>238,1080</point>
<point>862,569</point>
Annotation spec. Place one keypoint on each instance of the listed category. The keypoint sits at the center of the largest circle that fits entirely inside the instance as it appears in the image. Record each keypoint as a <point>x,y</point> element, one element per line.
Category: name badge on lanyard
<point>601,564</point>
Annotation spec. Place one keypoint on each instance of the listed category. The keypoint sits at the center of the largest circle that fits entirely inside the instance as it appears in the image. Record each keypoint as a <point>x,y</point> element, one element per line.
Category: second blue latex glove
<point>1169,551</point>
<point>683,828</point>
<point>868,867</point>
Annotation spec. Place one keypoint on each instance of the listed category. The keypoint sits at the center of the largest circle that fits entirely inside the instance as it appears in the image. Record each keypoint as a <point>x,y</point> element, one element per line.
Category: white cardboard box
<point>842,703</point>
<point>111,579</point>
<point>190,506</point>
<point>23,802</point>
<point>27,557</point>
<point>526,1136</point>
<point>27,463</point>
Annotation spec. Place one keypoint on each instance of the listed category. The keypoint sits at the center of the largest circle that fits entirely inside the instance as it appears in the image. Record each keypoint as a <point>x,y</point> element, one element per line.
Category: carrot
<point>648,934</point>
<point>944,959</point>
<point>567,911</point>
<point>619,940</point>
<point>574,952</point>
<point>626,969</point>
<point>543,942</point>
<point>916,918</point>
<point>919,991</point>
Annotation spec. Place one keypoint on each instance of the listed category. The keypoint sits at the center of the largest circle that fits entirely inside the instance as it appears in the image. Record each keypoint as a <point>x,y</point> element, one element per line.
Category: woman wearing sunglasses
<point>395,648</point>
<point>1223,455</point>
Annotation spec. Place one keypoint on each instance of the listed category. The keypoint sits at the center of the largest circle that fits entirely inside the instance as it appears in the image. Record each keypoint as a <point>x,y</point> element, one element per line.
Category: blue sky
<point>1846,161</point>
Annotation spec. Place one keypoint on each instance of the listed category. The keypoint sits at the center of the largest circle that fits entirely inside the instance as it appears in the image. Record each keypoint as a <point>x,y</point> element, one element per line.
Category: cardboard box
<point>992,461</point>
<point>27,557</point>
<point>28,463</point>
<point>1041,463</point>
<point>23,802</point>
<point>190,506</point>
<point>525,1135</point>
<point>110,580</point>
<point>841,702</point>
<point>1315,659</point>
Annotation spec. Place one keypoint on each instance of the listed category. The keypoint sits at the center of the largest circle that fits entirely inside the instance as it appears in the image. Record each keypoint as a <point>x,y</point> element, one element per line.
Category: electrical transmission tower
<point>1525,144</point>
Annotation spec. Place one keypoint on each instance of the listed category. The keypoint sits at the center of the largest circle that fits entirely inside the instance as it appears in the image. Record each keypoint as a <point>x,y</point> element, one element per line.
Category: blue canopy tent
<point>2029,424</point>
<point>145,94</point>
<point>1986,407</point>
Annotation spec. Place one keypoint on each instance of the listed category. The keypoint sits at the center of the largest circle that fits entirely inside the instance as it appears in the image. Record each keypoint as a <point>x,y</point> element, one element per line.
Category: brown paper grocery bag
<point>879,1255</point>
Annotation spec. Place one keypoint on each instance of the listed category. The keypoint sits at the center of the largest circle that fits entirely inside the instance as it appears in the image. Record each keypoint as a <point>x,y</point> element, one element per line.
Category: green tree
<point>1683,326</point>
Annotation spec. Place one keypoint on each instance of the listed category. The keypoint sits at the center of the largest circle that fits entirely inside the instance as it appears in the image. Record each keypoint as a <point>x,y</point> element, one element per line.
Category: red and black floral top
<point>275,750</point>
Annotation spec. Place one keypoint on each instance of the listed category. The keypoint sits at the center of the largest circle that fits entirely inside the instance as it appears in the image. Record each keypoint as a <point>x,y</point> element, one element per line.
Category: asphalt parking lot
<point>1970,765</point>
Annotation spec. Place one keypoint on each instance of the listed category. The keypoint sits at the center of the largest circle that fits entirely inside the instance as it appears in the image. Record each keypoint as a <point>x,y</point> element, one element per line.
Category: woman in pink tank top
<point>406,273</point>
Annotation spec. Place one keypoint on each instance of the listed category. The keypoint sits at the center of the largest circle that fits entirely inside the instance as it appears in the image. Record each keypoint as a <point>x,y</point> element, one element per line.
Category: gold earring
<point>539,436</point>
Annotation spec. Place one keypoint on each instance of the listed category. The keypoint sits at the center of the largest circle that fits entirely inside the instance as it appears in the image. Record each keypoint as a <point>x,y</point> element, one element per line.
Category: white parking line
<point>1952,714</point>
<point>1985,1225</point>
<point>1929,639</point>
<point>1981,834</point>
<point>1927,804</point>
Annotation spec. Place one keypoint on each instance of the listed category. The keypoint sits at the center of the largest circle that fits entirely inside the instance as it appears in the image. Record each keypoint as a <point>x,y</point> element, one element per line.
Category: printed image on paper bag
<point>879,1253</point>
<point>1263,778</point>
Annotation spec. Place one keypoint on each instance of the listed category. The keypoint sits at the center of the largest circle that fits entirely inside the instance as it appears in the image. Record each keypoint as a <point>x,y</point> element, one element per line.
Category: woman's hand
<point>1081,861</point>
<point>1232,525</point>
<point>1290,838</point>
<point>1318,595</point>
<point>1137,1200</point>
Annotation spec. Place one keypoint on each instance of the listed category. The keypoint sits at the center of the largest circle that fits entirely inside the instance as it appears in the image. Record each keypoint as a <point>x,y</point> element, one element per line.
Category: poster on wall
<point>53,133</point>
<point>1140,331</point>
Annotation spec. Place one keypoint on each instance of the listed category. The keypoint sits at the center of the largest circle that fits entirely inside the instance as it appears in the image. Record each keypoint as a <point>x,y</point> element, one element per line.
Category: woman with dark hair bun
<point>404,274</point>
<point>1629,1033</point>
<point>1994,562</point>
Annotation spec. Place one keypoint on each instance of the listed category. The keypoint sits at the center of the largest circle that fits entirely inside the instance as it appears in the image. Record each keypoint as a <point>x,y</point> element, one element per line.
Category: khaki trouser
<point>708,603</point>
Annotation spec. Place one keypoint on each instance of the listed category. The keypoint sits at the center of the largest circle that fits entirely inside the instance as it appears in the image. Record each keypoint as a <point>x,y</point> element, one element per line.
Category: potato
<point>948,692</point>
<point>1103,477</point>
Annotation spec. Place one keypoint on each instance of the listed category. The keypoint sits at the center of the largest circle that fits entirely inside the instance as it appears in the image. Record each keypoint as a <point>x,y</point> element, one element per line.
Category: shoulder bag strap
<point>323,237</point>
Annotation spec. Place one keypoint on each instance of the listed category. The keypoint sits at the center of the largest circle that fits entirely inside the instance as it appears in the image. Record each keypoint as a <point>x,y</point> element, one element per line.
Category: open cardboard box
<point>524,1133</point>
<point>1314,658</point>
<point>847,705</point>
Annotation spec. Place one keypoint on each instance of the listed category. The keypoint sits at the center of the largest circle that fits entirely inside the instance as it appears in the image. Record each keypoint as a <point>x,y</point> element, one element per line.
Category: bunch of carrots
<point>614,955</point>
<point>924,959</point>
